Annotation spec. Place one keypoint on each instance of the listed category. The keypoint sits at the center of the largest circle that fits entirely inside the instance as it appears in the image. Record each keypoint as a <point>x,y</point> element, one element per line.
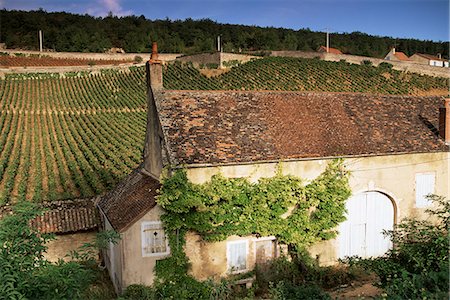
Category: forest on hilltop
<point>84,33</point>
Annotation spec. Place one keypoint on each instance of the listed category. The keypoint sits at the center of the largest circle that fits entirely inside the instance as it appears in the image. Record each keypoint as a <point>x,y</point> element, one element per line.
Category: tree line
<point>84,33</point>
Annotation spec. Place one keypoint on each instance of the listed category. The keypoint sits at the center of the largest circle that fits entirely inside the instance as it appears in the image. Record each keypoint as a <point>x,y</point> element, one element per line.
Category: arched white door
<point>368,214</point>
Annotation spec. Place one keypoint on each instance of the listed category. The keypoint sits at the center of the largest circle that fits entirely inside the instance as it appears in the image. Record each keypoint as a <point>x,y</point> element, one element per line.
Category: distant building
<point>396,56</point>
<point>330,50</point>
<point>431,60</point>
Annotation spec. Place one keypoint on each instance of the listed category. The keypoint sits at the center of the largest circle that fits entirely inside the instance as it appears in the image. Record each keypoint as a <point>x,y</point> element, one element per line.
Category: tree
<point>26,274</point>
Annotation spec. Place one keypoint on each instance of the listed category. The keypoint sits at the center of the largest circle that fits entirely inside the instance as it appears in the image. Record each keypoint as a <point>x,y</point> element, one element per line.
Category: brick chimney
<point>444,121</point>
<point>154,69</point>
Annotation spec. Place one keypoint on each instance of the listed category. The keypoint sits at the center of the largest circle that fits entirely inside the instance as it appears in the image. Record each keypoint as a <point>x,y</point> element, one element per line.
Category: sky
<point>419,19</point>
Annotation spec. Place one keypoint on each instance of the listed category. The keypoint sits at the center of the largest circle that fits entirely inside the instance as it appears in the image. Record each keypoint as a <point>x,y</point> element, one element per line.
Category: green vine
<point>282,206</point>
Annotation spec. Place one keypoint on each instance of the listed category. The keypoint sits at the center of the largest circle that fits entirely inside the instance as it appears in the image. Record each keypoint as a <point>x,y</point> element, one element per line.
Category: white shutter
<point>153,238</point>
<point>424,186</point>
<point>237,256</point>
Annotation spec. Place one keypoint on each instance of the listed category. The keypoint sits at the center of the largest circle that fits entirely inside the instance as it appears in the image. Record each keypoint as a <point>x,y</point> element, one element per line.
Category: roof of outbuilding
<point>401,56</point>
<point>430,57</point>
<point>67,216</point>
<point>206,127</point>
<point>130,200</point>
<point>330,50</point>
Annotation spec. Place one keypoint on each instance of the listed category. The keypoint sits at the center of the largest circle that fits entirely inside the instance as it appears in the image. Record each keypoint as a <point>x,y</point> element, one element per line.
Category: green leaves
<point>223,206</point>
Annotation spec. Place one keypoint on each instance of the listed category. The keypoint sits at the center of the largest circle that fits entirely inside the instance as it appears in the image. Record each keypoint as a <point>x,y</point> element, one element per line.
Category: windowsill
<point>157,255</point>
<point>238,272</point>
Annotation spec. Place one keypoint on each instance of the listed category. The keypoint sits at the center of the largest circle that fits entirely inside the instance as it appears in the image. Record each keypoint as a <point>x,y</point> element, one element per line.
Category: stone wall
<point>201,59</point>
<point>62,70</point>
<point>65,243</point>
<point>219,59</point>
<point>95,56</point>
<point>302,54</point>
<point>411,66</point>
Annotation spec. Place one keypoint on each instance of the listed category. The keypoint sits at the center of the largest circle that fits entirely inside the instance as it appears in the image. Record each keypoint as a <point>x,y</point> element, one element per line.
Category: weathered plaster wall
<point>65,243</point>
<point>136,268</point>
<point>209,260</point>
<point>393,175</point>
<point>113,260</point>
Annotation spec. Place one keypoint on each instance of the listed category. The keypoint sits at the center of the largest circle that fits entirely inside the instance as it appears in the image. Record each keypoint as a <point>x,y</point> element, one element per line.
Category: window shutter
<point>424,186</point>
<point>153,239</point>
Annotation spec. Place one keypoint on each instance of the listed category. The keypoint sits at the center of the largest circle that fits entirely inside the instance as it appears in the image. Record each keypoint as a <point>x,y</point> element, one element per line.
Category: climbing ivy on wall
<point>223,207</point>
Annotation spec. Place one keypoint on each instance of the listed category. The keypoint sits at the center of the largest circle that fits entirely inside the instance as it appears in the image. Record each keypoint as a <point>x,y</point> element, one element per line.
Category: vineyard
<point>69,137</point>
<point>77,134</point>
<point>299,74</point>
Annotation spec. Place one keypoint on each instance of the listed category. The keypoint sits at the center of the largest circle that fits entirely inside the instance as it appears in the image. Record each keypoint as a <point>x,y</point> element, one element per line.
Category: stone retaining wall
<point>410,66</point>
<point>219,59</point>
<point>62,70</point>
<point>95,56</point>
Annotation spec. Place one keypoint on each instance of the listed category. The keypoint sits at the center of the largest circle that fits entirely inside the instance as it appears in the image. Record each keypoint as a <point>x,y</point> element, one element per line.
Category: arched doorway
<point>368,214</point>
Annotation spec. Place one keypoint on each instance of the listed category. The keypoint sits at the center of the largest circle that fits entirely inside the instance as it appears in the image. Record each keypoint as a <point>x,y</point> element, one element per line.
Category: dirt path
<point>358,290</point>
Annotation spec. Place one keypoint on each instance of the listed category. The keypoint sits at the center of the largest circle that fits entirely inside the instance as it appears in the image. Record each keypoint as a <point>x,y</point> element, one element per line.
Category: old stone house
<point>431,60</point>
<point>395,146</point>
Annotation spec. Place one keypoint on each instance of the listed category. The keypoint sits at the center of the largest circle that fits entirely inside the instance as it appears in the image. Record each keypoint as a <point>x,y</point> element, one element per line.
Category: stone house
<point>396,56</point>
<point>431,60</point>
<point>396,148</point>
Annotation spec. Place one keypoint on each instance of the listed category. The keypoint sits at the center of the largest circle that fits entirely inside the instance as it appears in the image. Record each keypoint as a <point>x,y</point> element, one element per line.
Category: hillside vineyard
<point>69,137</point>
<point>300,74</point>
<point>76,135</point>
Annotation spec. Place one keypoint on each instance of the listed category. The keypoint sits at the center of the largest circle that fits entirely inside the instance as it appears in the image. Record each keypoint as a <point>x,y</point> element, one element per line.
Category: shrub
<point>366,63</point>
<point>385,66</point>
<point>285,291</point>
<point>212,66</point>
<point>138,59</point>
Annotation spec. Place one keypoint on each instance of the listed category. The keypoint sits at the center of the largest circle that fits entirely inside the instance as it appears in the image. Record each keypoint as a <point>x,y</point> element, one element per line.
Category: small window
<point>237,256</point>
<point>154,241</point>
<point>424,186</point>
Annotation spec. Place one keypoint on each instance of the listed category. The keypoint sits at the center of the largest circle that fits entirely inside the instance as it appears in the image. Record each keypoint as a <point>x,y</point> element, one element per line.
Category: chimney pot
<point>444,121</point>
<point>154,55</point>
<point>154,69</point>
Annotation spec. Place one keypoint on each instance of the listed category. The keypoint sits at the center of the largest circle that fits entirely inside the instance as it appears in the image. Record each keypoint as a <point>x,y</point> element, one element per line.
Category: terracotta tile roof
<point>401,56</point>
<point>67,216</point>
<point>430,57</point>
<point>130,200</point>
<point>234,127</point>
<point>330,50</point>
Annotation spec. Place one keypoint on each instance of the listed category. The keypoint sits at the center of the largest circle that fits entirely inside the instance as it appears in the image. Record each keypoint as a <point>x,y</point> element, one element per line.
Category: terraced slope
<point>79,134</point>
<point>299,74</point>
<point>69,137</point>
